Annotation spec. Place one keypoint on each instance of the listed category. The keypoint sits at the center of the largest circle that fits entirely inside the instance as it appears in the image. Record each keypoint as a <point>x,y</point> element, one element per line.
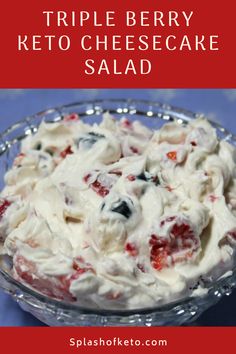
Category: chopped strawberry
<point>4,204</point>
<point>131,249</point>
<point>100,189</point>
<point>80,259</point>
<point>229,238</point>
<point>156,241</point>
<point>178,245</point>
<point>18,159</point>
<point>193,143</point>
<point>113,296</point>
<point>102,184</point>
<point>213,198</point>
<point>53,286</point>
<point>131,178</point>
<point>172,155</point>
<point>155,180</point>
<point>56,287</point>
<point>232,234</point>
<point>71,117</point>
<point>21,155</point>
<point>159,258</point>
<point>168,219</point>
<point>126,123</point>
<point>86,178</point>
<point>134,149</point>
<point>80,266</point>
<point>75,266</point>
<point>78,272</point>
<point>66,152</point>
<point>153,240</point>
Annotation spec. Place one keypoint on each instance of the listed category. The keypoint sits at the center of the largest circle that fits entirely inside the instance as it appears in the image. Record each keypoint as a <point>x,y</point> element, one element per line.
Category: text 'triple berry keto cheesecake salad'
<point>118,216</point>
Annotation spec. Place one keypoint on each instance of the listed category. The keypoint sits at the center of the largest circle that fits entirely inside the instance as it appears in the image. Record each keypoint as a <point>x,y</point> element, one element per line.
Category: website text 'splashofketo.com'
<point>116,342</point>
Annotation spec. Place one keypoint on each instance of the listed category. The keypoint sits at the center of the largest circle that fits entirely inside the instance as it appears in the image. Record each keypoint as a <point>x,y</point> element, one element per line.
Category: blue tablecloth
<point>218,105</point>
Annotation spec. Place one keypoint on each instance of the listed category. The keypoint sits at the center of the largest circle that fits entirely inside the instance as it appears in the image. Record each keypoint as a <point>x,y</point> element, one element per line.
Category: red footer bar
<point>166,340</point>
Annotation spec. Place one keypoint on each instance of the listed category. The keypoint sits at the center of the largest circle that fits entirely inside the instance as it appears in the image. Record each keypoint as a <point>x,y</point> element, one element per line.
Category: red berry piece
<point>131,248</point>
<point>56,287</point>
<point>229,238</point>
<point>169,219</point>
<point>134,149</point>
<point>71,117</point>
<point>155,180</point>
<point>86,178</point>
<point>19,159</point>
<point>113,296</point>
<point>131,178</point>
<point>158,258</point>
<point>126,123</point>
<point>79,259</point>
<point>53,286</point>
<point>21,155</point>
<point>78,272</point>
<point>100,189</point>
<point>76,266</point>
<point>4,204</point>
<point>178,245</point>
<point>232,234</point>
<point>102,184</point>
<point>80,267</point>
<point>172,155</point>
<point>157,241</point>
<point>193,143</point>
<point>213,198</point>
<point>66,152</point>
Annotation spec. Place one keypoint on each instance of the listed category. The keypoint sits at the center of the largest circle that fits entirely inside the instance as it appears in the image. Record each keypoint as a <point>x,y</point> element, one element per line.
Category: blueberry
<point>38,146</point>
<point>88,140</point>
<point>99,136</point>
<point>148,177</point>
<point>122,208</point>
<point>142,176</point>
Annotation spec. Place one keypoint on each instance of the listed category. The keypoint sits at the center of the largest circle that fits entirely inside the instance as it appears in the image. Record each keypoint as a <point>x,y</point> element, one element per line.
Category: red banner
<point>119,340</point>
<point>178,43</point>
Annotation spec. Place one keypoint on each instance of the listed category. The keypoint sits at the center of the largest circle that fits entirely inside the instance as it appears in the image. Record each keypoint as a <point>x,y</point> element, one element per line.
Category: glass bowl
<point>59,313</point>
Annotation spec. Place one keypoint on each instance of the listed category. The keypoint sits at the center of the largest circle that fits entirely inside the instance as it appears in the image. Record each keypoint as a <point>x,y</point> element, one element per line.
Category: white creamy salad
<point>115,215</point>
